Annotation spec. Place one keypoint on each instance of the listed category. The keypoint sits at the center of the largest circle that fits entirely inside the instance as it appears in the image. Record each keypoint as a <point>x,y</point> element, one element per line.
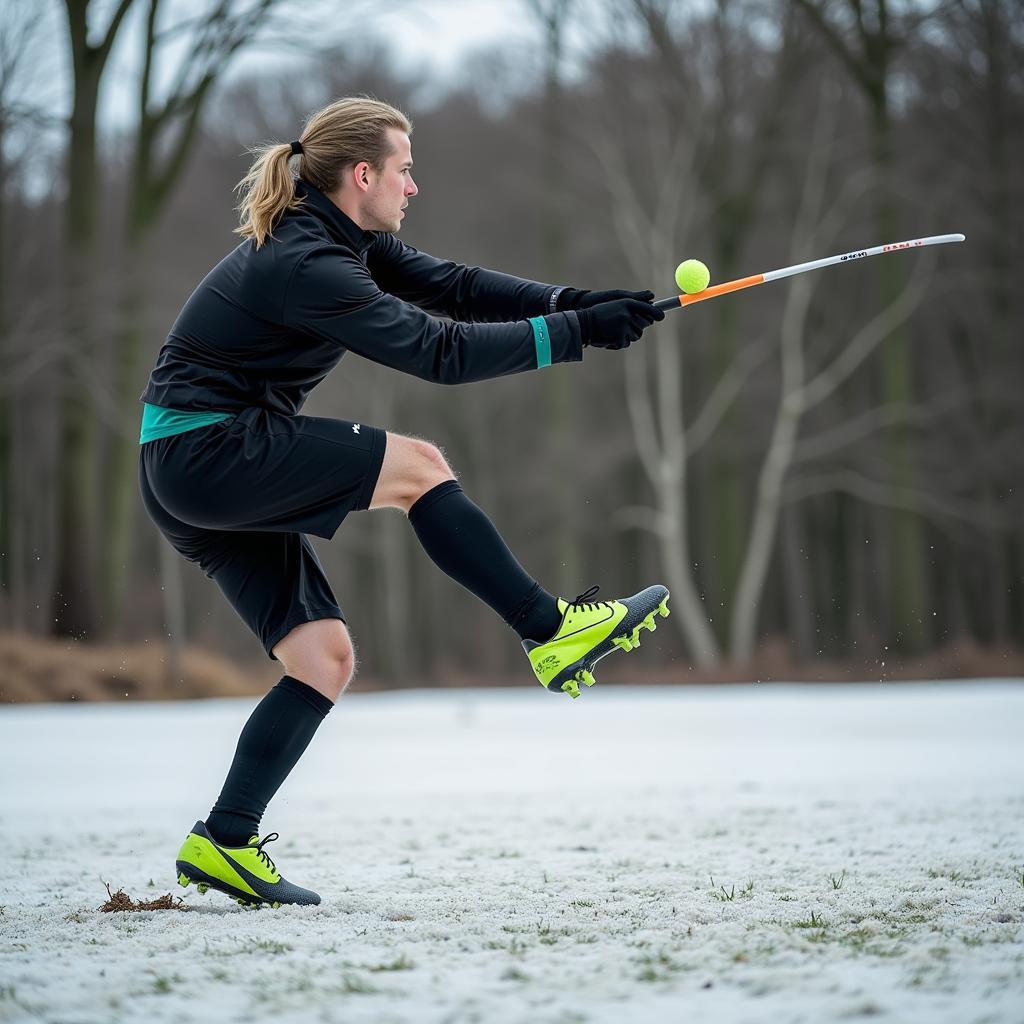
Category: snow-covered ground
<point>748,853</point>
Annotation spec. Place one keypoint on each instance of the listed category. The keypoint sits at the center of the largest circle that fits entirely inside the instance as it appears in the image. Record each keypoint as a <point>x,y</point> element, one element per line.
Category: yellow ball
<point>692,276</point>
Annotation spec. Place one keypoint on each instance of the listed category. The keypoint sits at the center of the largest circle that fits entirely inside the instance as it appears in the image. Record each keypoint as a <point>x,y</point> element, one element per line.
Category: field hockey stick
<point>800,268</point>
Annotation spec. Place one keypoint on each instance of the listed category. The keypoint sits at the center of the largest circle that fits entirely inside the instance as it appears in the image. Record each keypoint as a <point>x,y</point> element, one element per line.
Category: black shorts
<point>237,498</point>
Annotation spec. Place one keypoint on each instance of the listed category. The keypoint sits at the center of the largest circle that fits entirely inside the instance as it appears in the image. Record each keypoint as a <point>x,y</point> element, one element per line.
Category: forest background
<point>825,471</point>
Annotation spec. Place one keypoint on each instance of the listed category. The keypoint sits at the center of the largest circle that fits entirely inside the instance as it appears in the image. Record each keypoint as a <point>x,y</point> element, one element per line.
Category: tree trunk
<point>122,482</point>
<point>75,602</point>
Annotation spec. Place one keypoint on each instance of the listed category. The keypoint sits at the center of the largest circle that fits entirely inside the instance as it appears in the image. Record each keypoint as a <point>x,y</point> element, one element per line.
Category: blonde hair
<point>342,134</point>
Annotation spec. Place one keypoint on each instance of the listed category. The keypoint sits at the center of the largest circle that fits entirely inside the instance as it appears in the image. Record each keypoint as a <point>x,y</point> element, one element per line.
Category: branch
<point>639,517</point>
<point>835,40</point>
<point>876,492</point>
<point>725,391</point>
<point>642,415</point>
<point>871,335</point>
<point>856,429</point>
<point>103,50</point>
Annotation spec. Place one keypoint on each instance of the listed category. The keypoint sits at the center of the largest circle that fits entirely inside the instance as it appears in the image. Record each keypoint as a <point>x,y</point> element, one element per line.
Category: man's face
<point>389,190</point>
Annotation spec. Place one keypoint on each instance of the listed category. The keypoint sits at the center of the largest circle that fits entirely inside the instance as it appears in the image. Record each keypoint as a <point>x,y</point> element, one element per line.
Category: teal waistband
<point>160,422</point>
<point>541,340</point>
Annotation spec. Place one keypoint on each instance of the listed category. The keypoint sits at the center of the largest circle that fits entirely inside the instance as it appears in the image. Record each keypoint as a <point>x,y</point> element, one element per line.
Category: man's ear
<point>361,174</point>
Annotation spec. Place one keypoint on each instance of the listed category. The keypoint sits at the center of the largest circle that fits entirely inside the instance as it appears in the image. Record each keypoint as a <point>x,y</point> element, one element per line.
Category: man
<point>235,478</point>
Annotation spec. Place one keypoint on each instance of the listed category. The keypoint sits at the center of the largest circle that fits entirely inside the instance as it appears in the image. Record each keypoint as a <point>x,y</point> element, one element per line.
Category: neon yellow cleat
<point>589,630</point>
<point>245,873</point>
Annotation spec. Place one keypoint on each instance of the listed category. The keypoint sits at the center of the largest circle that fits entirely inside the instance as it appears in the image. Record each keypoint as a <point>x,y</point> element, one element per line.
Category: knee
<point>326,662</point>
<point>411,468</point>
<point>433,467</point>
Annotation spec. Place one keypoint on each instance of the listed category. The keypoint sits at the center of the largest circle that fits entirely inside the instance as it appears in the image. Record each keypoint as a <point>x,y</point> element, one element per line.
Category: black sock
<point>463,542</point>
<point>273,739</point>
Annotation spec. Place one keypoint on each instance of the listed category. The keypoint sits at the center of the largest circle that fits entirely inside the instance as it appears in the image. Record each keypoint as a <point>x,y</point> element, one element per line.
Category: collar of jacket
<point>341,227</point>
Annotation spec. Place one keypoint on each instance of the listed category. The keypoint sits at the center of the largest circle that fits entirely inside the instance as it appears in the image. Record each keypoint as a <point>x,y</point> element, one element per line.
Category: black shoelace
<point>583,601</point>
<point>263,853</point>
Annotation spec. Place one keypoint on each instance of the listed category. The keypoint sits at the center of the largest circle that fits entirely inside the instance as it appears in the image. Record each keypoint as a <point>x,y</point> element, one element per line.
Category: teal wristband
<point>541,340</point>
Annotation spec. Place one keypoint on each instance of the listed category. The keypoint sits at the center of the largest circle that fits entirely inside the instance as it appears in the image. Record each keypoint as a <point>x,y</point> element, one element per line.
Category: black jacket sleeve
<point>332,297</point>
<point>470,294</point>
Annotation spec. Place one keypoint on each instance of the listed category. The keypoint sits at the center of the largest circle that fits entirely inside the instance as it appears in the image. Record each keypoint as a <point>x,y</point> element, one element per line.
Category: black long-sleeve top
<point>266,325</point>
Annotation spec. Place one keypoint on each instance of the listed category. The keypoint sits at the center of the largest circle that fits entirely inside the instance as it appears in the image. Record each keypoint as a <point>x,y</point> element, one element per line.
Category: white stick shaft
<point>846,257</point>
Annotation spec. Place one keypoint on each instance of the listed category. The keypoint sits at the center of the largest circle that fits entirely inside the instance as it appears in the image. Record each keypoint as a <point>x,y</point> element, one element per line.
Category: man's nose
<point>410,186</point>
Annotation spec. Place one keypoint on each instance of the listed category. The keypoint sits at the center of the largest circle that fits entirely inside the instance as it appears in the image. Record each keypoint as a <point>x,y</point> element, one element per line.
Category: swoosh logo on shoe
<point>589,625</point>
<point>258,885</point>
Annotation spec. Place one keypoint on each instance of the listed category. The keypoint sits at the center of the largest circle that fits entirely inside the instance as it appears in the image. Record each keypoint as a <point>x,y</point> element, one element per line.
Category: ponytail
<point>342,134</point>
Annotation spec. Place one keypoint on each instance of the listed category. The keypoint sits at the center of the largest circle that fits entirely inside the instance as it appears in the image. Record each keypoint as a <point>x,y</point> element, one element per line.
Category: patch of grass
<point>837,880</point>
<point>814,921</point>
<point>271,946</point>
<point>400,963</point>
<point>352,984</point>
<point>721,895</point>
<point>657,967</point>
<point>581,903</point>
<point>514,974</point>
<point>162,985</point>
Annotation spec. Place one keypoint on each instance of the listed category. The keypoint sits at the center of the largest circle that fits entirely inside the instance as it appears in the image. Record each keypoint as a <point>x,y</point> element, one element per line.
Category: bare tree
<point>165,134</point>
<point>868,38</point>
<point>21,36</point>
<point>819,216</point>
<point>75,604</point>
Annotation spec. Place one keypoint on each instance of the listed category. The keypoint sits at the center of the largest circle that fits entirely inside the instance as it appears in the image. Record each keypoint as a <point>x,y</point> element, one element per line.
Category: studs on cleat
<point>586,678</point>
<point>202,887</point>
<point>183,880</point>
<point>623,643</point>
<point>571,687</point>
<point>663,609</point>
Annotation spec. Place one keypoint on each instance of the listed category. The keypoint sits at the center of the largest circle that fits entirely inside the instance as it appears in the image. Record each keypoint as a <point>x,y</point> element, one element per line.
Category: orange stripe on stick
<point>722,289</point>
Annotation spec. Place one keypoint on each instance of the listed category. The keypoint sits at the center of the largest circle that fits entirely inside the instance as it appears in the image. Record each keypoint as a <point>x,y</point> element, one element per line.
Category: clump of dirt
<point>121,902</point>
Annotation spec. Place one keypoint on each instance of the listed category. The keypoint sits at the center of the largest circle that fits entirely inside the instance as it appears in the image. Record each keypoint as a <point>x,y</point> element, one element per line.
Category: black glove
<point>580,298</point>
<point>618,323</point>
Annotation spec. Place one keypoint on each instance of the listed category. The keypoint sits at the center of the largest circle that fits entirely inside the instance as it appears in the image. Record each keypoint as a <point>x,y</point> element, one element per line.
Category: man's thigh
<point>274,581</point>
<point>264,471</point>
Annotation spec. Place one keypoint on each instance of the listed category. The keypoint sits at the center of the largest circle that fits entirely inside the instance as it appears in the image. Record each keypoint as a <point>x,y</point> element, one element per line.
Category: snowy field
<point>747,853</point>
